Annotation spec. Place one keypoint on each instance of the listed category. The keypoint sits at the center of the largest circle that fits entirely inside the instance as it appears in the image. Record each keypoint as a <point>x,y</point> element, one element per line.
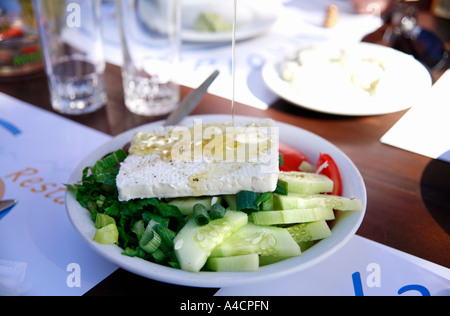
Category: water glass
<point>151,39</point>
<point>71,38</point>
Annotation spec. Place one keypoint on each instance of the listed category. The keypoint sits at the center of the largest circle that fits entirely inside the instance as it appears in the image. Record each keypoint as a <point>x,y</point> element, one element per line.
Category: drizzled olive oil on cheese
<point>205,142</point>
<point>206,159</point>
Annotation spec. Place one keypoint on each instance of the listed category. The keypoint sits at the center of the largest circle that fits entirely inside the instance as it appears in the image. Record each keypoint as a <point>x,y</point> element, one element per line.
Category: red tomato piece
<point>291,158</point>
<point>327,166</point>
<point>10,32</point>
<point>30,50</point>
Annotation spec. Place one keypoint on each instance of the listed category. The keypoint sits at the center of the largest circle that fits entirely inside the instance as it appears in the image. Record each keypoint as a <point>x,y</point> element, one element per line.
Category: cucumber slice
<point>186,205</point>
<point>292,216</point>
<point>309,231</point>
<point>244,263</point>
<point>297,201</point>
<point>194,244</point>
<point>305,245</point>
<point>266,260</point>
<point>263,240</point>
<point>306,182</point>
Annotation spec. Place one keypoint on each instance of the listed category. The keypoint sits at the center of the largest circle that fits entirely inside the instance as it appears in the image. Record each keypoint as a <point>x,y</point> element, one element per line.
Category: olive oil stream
<point>233,61</point>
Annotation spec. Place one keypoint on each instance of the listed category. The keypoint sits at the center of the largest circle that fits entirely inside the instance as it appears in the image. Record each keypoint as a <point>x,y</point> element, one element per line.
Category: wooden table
<point>398,212</point>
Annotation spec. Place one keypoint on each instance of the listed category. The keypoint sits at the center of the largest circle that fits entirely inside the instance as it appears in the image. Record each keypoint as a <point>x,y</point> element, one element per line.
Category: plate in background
<point>404,82</point>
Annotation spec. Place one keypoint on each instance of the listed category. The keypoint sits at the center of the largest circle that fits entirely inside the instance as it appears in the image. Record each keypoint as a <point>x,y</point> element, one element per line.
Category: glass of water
<point>71,38</point>
<point>151,39</point>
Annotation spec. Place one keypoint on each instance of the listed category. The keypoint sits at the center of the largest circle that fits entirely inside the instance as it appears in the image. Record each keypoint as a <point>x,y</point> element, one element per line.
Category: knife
<point>7,204</point>
<point>190,101</point>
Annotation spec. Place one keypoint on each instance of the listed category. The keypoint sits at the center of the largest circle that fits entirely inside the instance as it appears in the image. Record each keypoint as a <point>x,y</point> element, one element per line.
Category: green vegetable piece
<point>281,160</point>
<point>298,201</point>
<point>150,240</point>
<point>231,201</point>
<point>166,234</point>
<point>186,205</point>
<point>103,220</point>
<point>282,187</point>
<point>107,235</point>
<point>159,256</point>
<point>265,201</point>
<point>105,170</point>
<point>311,231</point>
<point>201,215</point>
<point>171,211</point>
<point>306,182</point>
<point>246,201</point>
<point>217,211</point>
<point>292,216</point>
<point>138,228</point>
<point>194,244</point>
<point>262,240</point>
<point>212,22</point>
<point>244,263</point>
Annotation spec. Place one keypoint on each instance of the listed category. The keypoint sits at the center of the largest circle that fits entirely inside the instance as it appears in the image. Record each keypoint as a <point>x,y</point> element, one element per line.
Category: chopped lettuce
<point>98,193</point>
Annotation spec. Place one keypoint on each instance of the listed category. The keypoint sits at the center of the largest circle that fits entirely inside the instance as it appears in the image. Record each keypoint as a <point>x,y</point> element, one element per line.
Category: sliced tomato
<point>327,166</point>
<point>291,159</point>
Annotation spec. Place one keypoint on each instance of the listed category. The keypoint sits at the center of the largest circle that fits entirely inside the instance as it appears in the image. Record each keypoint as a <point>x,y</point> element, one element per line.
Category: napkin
<point>424,129</point>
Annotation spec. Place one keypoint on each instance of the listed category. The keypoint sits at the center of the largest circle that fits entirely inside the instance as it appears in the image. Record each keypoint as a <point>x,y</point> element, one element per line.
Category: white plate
<point>253,18</point>
<point>405,81</point>
<point>311,144</point>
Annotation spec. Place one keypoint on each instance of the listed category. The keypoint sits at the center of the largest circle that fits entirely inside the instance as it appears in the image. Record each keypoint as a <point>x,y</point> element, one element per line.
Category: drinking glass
<point>71,39</point>
<point>151,39</point>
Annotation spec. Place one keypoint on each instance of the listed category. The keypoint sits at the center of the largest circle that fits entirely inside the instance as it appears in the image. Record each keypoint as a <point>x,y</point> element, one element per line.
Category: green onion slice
<point>103,220</point>
<point>265,201</point>
<point>150,240</point>
<point>217,211</point>
<point>282,187</point>
<point>201,215</point>
<point>245,201</point>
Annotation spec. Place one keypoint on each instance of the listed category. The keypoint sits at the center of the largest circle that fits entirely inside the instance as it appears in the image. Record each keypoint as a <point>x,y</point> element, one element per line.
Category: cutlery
<point>7,204</point>
<point>190,101</point>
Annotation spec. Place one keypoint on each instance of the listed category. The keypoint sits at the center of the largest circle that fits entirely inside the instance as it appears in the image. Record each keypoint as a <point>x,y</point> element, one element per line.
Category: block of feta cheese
<point>202,159</point>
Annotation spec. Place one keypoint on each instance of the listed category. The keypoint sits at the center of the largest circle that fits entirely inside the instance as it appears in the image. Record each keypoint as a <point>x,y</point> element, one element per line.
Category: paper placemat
<point>424,129</point>
<point>40,252</point>
<point>360,268</point>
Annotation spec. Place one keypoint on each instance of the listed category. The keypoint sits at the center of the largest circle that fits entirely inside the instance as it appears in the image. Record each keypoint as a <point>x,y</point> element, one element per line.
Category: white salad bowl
<point>345,225</point>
